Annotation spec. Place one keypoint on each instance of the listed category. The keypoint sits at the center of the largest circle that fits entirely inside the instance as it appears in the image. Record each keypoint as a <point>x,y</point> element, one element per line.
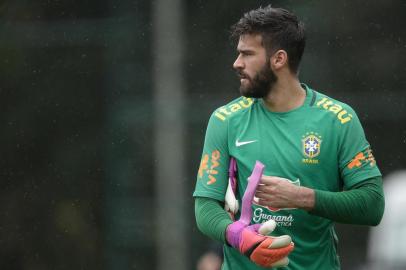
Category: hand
<point>278,192</point>
<point>265,251</point>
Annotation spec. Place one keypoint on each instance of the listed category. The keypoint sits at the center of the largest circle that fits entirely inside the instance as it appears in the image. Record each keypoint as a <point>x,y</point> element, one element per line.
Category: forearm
<point>211,219</point>
<point>363,204</point>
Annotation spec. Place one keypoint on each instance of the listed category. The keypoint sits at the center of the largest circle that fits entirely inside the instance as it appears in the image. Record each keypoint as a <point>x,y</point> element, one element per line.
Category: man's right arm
<point>212,176</point>
<point>212,180</point>
<point>212,220</point>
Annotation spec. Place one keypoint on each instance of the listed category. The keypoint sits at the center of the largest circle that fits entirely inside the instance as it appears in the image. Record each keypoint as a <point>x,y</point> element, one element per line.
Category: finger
<point>267,179</point>
<point>268,201</point>
<point>246,210</point>
<point>267,257</point>
<point>280,263</point>
<point>273,206</point>
<point>261,194</point>
<point>265,195</point>
<point>280,242</point>
<point>262,188</point>
<point>272,180</point>
<point>279,253</point>
<point>267,227</point>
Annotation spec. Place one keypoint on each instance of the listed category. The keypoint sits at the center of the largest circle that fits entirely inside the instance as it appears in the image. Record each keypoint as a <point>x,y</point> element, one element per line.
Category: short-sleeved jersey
<point>320,145</point>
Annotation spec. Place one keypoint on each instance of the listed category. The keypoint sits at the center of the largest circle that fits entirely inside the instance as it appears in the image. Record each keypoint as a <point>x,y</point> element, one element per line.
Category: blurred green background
<point>104,105</point>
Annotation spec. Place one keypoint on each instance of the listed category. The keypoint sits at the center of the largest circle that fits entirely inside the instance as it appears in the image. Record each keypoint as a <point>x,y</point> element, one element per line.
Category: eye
<point>246,53</point>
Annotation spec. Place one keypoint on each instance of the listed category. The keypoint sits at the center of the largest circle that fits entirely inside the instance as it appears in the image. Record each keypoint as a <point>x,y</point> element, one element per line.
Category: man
<point>319,167</point>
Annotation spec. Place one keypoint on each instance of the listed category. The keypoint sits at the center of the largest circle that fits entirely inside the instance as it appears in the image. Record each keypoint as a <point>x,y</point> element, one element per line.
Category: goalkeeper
<point>319,167</point>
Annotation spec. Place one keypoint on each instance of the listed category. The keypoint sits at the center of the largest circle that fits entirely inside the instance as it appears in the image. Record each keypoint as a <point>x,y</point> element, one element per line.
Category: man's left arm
<point>362,204</point>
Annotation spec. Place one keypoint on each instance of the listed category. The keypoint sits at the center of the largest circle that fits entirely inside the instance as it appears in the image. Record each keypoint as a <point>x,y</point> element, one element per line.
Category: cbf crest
<point>311,145</point>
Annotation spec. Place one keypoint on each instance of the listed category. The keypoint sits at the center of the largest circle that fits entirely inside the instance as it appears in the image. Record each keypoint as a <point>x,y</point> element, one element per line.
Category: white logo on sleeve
<point>238,144</point>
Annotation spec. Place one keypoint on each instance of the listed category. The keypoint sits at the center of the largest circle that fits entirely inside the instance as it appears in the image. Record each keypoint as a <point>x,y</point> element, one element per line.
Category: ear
<point>279,59</point>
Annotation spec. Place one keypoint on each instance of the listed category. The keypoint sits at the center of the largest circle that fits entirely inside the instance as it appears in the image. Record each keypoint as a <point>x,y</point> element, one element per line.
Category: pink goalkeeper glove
<point>266,251</point>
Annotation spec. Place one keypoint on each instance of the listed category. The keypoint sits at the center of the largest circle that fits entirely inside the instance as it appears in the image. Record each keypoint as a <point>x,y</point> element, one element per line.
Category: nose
<point>238,63</point>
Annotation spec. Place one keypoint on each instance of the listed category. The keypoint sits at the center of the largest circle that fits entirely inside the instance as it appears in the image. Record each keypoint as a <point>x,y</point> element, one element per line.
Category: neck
<point>286,94</point>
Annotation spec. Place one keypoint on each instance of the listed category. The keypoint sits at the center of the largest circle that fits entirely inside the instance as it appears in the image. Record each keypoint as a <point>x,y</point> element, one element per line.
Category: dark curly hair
<point>280,30</point>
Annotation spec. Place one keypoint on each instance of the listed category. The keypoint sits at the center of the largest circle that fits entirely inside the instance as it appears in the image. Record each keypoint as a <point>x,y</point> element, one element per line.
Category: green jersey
<point>320,145</point>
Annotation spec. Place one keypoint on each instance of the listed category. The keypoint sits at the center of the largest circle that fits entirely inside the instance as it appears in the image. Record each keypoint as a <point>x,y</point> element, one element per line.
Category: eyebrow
<point>244,50</point>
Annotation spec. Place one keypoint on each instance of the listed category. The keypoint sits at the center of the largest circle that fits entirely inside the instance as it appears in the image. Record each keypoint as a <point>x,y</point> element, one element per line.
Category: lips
<point>242,76</point>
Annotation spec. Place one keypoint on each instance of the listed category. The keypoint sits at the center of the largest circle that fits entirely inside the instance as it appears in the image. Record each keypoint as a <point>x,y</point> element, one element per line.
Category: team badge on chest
<point>311,145</point>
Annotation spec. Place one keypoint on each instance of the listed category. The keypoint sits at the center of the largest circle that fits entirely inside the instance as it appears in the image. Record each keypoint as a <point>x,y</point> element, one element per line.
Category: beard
<point>259,86</point>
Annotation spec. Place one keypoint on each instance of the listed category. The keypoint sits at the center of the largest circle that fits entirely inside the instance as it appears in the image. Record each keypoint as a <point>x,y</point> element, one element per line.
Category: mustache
<point>242,75</point>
